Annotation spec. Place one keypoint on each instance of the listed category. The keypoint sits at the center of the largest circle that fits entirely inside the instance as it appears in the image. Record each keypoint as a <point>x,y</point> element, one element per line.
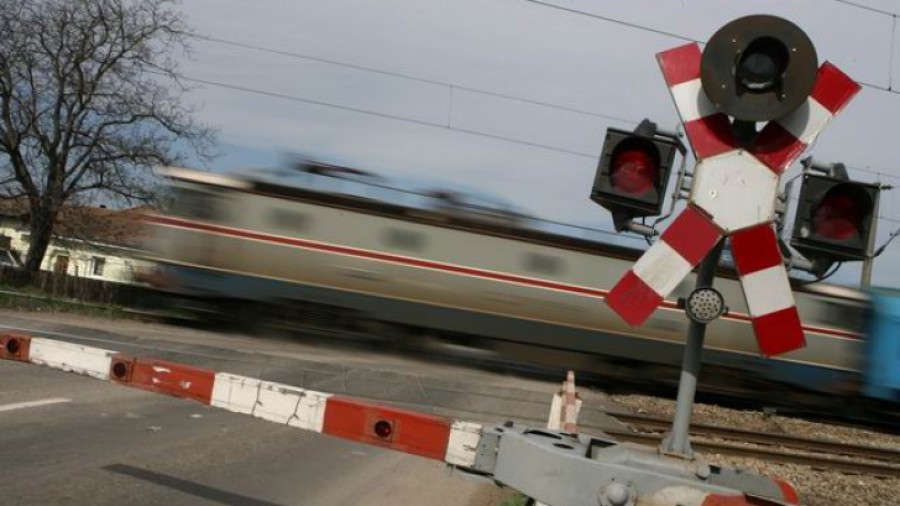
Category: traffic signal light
<point>758,68</point>
<point>632,173</point>
<point>835,219</point>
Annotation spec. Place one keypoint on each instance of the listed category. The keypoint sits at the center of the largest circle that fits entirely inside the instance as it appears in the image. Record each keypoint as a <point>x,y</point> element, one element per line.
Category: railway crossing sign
<point>735,181</point>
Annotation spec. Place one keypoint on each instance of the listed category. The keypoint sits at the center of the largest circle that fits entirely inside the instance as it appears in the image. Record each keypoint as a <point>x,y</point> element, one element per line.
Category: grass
<point>515,500</point>
<point>31,299</point>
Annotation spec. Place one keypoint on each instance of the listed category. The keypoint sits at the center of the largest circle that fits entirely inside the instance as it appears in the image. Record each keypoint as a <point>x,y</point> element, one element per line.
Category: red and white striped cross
<point>733,194</point>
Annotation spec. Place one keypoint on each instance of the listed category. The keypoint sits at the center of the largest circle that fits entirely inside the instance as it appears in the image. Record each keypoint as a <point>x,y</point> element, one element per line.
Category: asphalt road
<point>71,440</point>
<point>65,439</point>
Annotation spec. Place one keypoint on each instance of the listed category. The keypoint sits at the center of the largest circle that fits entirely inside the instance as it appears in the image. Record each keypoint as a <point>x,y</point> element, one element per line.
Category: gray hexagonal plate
<point>736,189</point>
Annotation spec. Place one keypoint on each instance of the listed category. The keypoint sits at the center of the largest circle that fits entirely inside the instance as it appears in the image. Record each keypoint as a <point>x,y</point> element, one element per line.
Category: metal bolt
<point>616,494</point>
<point>703,470</point>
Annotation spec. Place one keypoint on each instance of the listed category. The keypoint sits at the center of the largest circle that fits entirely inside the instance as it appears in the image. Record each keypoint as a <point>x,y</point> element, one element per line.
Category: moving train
<point>331,243</point>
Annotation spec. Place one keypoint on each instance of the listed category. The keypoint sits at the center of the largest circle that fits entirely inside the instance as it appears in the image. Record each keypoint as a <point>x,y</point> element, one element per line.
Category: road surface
<point>70,440</point>
<point>66,439</point>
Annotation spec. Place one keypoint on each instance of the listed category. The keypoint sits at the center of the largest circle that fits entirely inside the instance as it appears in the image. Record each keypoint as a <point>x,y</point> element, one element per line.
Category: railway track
<point>816,453</point>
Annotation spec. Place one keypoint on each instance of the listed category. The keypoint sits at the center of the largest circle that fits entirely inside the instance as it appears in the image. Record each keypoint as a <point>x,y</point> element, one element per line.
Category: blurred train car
<point>276,247</point>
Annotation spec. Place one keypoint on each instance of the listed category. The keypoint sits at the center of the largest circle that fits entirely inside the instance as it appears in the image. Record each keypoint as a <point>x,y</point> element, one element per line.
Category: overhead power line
<point>866,7</point>
<point>645,28</point>
<point>614,20</point>
<point>456,86</point>
<point>410,77</point>
<point>304,100</point>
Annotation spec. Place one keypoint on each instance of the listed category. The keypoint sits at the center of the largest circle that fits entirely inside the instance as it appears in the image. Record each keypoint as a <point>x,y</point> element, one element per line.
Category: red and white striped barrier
<point>453,442</point>
<point>733,194</point>
<point>433,437</point>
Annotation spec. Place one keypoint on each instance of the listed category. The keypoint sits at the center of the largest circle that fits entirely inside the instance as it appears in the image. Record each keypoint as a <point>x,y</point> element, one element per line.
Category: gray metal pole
<point>866,276</point>
<point>677,442</point>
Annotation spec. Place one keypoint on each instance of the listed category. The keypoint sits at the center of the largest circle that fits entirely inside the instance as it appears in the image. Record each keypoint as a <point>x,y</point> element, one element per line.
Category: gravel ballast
<point>816,487</point>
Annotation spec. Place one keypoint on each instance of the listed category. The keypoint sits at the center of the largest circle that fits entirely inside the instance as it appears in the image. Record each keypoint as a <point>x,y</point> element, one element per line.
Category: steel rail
<point>766,438</point>
<point>762,453</point>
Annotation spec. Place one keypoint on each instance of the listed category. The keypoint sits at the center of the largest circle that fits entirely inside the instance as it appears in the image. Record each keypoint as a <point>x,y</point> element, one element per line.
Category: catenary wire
<point>636,26</point>
<point>451,85</point>
<point>865,7</point>
<point>271,94</point>
<point>410,77</point>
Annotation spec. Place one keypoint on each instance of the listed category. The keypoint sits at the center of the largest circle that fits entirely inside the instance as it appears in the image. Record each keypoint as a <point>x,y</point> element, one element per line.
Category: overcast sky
<point>511,97</point>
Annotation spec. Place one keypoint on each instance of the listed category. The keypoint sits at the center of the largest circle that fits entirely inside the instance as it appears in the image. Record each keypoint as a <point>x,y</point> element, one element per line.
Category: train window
<point>197,204</point>
<point>544,264</point>
<point>288,219</point>
<point>405,239</point>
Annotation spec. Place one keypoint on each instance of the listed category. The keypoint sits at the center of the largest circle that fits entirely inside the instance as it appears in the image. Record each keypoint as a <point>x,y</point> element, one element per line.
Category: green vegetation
<point>514,500</point>
<point>32,299</point>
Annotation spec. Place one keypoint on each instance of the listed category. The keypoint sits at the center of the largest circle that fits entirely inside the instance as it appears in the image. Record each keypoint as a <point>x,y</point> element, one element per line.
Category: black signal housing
<point>835,218</point>
<point>633,172</point>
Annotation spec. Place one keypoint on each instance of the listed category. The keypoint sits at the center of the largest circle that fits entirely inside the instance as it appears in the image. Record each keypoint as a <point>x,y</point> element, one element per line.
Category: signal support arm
<point>555,468</point>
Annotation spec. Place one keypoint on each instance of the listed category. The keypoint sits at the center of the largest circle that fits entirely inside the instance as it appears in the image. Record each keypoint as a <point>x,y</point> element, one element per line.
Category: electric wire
<point>297,55</point>
<point>613,20</point>
<point>865,7</point>
<point>831,271</point>
<point>881,248</point>
<point>294,98</point>
<point>410,77</point>
<point>636,26</point>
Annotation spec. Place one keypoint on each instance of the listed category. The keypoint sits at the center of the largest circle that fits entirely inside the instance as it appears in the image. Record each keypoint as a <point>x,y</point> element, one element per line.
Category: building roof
<point>115,227</point>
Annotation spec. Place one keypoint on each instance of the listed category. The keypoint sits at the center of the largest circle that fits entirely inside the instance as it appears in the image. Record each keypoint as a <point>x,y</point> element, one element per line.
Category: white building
<point>88,242</point>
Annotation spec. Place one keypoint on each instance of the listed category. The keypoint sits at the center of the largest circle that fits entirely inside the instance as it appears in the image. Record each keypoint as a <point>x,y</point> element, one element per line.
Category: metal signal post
<point>754,69</point>
<point>677,442</point>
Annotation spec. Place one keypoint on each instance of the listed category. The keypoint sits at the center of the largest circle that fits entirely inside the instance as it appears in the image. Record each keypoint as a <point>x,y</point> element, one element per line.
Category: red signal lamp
<point>384,429</point>
<point>634,169</point>
<point>633,172</point>
<point>838,217</point>
<point>835,218</point>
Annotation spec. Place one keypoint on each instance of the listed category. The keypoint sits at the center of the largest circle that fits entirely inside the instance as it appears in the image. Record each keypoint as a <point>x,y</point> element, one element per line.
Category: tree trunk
<point>41,226</point>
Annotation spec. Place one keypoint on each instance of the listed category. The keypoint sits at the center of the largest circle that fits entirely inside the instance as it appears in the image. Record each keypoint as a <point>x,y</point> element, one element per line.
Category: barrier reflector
<point>406,431</point>
<point>14,347</point>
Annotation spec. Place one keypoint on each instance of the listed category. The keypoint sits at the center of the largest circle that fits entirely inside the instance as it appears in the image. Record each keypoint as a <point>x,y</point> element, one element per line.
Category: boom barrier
<point>557,468</point>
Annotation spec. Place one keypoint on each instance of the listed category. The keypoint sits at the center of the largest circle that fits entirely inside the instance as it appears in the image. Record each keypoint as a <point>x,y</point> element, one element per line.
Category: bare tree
<point>90,103</point>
